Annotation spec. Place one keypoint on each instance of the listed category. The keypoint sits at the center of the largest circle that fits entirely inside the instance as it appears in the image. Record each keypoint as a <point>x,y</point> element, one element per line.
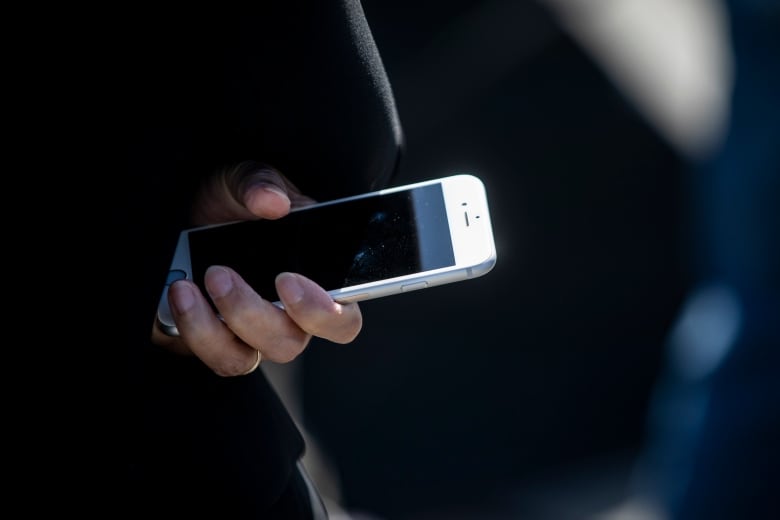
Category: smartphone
<point>357,248</point>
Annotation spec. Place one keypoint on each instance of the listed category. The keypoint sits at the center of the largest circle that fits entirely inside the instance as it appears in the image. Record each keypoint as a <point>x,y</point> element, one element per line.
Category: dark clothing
<point>300,87</point>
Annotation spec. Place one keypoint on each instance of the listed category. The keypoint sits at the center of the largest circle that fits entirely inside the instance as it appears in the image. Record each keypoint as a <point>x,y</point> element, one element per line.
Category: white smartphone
<point>357,248</point>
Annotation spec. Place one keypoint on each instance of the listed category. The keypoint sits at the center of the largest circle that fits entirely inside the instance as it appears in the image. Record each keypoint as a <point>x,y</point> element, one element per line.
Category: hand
<point>251,328</point>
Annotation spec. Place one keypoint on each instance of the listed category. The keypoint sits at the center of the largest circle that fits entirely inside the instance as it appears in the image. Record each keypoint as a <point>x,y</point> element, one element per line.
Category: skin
<point>249,323</point>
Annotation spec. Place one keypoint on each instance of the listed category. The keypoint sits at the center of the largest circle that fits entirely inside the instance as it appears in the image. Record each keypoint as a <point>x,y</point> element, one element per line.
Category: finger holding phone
<point>242,327</point>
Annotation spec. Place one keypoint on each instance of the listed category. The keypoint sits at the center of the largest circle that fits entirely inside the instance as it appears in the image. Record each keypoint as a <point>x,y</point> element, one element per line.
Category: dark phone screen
<point>336,245</point>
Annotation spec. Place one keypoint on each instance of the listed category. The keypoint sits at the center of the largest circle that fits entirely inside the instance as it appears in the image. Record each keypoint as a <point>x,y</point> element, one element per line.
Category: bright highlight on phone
<point>357,248</point>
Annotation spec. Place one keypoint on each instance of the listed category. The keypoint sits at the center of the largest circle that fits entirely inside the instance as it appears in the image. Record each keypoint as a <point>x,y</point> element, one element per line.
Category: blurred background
<point>548,388</point>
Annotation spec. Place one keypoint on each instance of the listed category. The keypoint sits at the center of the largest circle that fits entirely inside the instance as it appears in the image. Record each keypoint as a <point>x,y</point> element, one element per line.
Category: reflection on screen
<point>350,243</point>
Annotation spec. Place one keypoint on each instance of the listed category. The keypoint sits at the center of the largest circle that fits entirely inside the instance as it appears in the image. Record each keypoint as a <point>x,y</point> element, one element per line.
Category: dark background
<point>474,396</point>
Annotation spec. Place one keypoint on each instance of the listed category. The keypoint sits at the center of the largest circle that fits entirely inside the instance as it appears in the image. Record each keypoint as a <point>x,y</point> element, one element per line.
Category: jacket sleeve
<point>298,85</point>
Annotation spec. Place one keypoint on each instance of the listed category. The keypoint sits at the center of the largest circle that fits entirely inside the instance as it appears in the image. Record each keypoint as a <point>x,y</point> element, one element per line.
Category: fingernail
<point>273,188</point>
<point>182,297</point>
<point>219,281</point>
<point>290,287</point>
<point>251,191</point>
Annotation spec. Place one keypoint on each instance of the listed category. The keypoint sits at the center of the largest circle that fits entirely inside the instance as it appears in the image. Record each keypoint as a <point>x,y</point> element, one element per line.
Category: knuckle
<point>230,367</point>
<point>287,350</point>
<point>287,355</point>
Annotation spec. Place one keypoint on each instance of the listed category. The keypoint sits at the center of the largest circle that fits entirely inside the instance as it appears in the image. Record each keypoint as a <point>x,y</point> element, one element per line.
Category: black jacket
<point>297,85</point>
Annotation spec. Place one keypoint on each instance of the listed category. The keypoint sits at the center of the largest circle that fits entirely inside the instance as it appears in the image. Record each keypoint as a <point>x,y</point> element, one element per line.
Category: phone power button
<point>414,286</point>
